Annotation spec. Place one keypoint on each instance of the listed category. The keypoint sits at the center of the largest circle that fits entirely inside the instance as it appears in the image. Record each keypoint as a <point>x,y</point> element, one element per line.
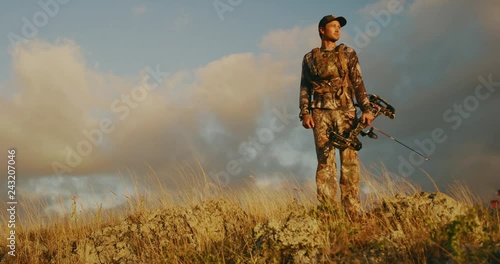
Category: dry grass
<point>40,238</point>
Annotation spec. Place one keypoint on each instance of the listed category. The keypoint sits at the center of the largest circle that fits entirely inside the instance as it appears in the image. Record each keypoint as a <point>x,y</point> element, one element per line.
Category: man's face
<point>331,31</point>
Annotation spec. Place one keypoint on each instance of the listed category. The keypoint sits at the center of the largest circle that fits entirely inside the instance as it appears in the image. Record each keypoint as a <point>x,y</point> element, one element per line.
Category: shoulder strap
<point>342,58</point>
<point>314,60</point>
<point>343,62</point>
<point>315,51</point>
<point>314,54</point>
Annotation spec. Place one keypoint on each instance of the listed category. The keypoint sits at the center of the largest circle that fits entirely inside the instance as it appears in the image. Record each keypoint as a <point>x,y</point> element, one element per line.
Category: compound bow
<point>349,139</point>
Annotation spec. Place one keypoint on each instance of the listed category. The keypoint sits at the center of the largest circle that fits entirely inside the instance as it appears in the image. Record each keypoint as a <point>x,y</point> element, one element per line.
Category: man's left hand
<point>367,118</point>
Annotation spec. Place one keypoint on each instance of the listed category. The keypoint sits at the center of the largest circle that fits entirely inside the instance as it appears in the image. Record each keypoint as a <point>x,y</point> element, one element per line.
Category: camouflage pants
<point>326,174</point>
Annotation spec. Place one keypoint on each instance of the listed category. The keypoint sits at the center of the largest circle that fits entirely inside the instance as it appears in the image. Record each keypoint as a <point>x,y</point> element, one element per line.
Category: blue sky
<point>178,35</point>
<point>225,79</point>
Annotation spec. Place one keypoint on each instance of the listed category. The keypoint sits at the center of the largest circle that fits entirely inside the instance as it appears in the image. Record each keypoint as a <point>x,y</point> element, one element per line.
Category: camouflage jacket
<point>323,80</point>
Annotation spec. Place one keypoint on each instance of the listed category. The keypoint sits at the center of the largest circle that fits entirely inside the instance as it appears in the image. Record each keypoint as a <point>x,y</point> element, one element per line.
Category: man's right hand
<point>307,121</point>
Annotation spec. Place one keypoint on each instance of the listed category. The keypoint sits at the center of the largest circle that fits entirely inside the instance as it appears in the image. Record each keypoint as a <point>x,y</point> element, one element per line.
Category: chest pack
<point>330,76</point>
<point>323,82</point>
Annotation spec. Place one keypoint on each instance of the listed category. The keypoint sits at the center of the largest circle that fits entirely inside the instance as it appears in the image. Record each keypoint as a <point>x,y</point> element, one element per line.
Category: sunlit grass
<point>50,238</point>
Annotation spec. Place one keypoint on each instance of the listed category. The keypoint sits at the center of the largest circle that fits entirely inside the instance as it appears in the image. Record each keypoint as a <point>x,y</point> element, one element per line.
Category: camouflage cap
<point>329,18</point>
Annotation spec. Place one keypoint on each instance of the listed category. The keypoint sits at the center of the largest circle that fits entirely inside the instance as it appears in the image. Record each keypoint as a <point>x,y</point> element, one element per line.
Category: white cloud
<point>289,42</point>
<point>234,87</point>
<point>58,96</point>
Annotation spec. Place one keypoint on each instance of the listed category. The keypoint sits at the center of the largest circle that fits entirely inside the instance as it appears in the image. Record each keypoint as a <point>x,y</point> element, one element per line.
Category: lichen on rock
<point>193,228</point>
<point>297,239</point>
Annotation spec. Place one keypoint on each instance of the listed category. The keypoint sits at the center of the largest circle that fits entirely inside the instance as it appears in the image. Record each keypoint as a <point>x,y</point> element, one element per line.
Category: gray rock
<point>194,228</point>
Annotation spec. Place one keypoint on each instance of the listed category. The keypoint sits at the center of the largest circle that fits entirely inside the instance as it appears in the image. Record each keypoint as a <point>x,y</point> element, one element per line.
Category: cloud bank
<point>237,115</point>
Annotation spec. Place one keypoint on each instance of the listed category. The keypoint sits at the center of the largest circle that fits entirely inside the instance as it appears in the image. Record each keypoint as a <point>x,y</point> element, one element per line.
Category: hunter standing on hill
<point>331,75</point>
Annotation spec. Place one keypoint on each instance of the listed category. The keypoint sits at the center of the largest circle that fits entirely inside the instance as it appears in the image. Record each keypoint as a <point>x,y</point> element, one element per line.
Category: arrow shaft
<point>391,137</point>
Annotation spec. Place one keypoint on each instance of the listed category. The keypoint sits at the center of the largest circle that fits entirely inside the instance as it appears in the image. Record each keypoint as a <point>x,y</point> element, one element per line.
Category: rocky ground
<point>424,227</point>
